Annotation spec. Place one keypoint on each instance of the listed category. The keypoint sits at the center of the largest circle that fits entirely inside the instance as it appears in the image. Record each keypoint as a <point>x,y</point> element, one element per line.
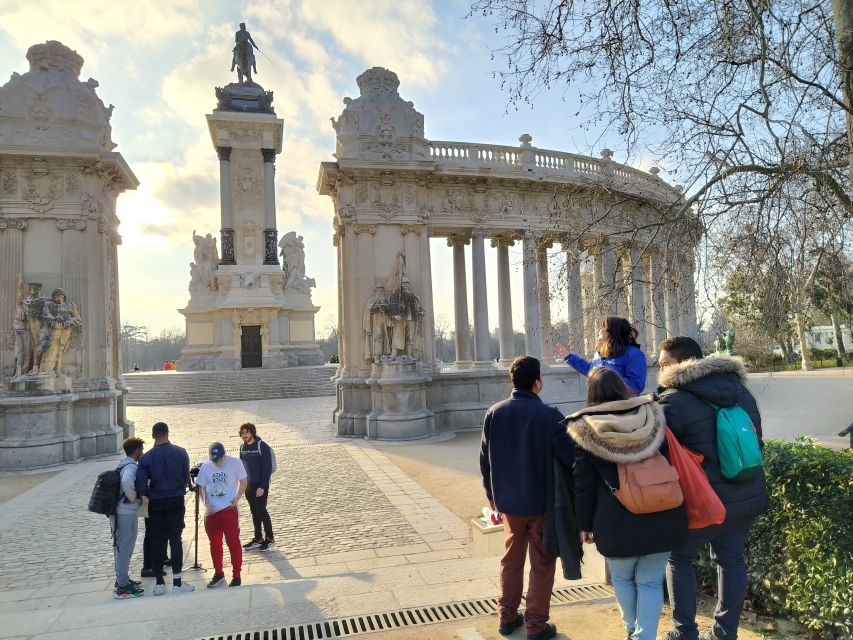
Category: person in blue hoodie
<point>617,349</point>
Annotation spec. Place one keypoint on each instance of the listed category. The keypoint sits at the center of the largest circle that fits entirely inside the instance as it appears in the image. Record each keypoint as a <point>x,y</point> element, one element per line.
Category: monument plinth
<point>246,309</point>
<point>60,359</point>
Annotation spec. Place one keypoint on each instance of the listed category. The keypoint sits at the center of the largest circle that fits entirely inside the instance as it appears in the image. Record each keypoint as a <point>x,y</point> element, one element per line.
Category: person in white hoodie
<point>125,522</point>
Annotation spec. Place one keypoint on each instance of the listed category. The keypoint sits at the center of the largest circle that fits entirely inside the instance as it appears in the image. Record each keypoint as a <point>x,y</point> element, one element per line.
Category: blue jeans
<point>638,583</point>
<point>727,541</point>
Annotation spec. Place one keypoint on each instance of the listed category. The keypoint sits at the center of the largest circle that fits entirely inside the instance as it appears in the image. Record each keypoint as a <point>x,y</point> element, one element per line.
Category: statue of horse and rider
<point>244,55</point>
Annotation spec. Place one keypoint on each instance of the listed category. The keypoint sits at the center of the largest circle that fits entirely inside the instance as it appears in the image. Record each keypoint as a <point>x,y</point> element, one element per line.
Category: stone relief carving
<point>452,201</point>
<point>40,189</point>
<point>386,197</point>
<point>405,312</point>
<point>9,182</point>
<point>13,223</point>
<point>43,330</point>
<point>77,224</point>
<point>203,267</point>
<point>293,264</point>
<point>364,228</point>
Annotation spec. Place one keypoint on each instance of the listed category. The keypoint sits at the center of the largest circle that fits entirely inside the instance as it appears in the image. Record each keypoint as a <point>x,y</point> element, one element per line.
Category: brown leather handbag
<point>648,486</point>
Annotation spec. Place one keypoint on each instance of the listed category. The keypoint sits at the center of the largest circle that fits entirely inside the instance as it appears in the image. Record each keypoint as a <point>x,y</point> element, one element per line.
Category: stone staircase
<point>193,387</point>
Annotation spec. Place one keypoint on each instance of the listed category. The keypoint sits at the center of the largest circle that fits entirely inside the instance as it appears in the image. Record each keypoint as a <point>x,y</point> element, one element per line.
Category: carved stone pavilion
<point>247,310</point>
<point>61,397</point>
<point>393,190</point>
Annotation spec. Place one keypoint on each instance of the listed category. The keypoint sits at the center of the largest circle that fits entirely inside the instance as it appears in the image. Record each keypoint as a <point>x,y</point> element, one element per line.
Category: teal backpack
<point>737,444</point>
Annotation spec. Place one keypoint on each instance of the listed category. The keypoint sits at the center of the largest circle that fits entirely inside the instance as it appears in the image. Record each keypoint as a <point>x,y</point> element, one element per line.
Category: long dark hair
<point>621,334</point>
<point>605,385</point>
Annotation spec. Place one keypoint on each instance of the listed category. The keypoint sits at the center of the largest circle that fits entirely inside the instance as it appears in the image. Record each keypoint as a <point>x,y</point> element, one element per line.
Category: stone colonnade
<point>600,279</point>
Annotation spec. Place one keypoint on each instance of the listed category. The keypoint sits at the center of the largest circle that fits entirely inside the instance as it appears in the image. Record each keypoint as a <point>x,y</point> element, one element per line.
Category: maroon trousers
<point>521,533</point>
<point>225,523</point>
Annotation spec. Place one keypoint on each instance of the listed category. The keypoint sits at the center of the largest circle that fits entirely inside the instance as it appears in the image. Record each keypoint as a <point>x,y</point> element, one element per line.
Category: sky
<point>158,63</point>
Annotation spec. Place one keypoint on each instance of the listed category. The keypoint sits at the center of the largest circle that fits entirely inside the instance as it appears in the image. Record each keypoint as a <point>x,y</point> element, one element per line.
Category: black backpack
<point>107,492</point>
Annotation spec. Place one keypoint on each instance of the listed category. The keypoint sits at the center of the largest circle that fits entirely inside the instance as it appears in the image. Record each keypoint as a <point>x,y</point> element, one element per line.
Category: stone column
<point>460,301</point>
<point>634,275</point>
<point>544,293</point>
<point>482,349</point>
<point>657,307</point>
<point>226,206</point>
<point>574,311</point>
<point>506,335</point>
<point>608,283</point>
<point>270,231</point>
<point>688,322</point>
<point>671,298</point>
<point>532,322</point>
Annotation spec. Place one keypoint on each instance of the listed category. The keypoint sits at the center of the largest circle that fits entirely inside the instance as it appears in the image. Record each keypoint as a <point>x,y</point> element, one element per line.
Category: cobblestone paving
<point>322,499</point>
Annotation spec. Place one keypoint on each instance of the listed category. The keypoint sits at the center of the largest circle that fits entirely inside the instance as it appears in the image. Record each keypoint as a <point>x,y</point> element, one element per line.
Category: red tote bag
<point>704,507</point>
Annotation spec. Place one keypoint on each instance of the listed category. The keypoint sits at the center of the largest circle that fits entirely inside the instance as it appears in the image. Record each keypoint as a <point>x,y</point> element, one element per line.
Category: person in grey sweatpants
<point>125,522</point>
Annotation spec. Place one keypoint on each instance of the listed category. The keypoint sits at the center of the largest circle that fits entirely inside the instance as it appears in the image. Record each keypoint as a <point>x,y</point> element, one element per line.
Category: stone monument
<point>60,360</point>
<point>246,310</point>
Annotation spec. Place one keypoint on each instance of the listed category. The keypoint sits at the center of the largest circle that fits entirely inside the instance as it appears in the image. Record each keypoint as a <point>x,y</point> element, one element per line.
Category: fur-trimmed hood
<point>620,431</point>
<point>687,371</point>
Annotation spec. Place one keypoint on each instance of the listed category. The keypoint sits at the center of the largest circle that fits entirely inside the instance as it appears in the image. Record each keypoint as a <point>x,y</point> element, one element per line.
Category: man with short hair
<point>256,456</point>
<point>221,482</point>
<point>689,385</point>
<point>517,433</point>
<point>125,521</point>
<point>164,475</point>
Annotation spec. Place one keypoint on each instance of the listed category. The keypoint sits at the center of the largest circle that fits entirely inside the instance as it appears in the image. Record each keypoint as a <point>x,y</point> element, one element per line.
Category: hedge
<point>800,553</point>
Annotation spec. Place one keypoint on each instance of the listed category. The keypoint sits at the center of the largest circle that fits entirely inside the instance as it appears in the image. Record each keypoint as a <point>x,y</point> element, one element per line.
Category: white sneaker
<point>159,589</point>
<point>185,587</point>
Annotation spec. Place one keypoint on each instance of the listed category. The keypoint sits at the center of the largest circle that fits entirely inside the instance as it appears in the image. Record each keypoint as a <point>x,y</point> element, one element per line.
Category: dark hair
<point>620,335</point>
<point>605,385</point>
<point>159,430</point>
<point>524,371</point>
<point>132,445</point>
<point>682,348</point>
<point>247,426</point>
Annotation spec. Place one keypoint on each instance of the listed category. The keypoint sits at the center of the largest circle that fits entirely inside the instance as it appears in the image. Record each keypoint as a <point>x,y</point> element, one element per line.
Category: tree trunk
<point>842,13</point>
<point>804,346</point>
<point>839,338</point>
<point>786,349</point>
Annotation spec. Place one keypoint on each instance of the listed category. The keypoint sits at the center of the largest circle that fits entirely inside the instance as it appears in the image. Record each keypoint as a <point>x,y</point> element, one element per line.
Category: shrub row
<point>800,553</point>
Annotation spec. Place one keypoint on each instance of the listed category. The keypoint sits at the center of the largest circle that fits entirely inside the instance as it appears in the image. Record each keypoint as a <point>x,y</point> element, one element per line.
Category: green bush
<point>800,553</point>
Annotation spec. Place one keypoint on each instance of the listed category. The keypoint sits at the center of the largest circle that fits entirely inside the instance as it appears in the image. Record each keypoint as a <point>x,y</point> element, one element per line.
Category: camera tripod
<point>196,565</point>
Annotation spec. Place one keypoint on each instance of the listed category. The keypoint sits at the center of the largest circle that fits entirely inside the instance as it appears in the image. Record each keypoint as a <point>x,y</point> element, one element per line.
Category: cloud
<point>396,34</point>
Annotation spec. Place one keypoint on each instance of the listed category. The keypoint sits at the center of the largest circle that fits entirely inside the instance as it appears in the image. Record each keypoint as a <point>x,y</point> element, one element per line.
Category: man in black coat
<point>517,433</point>
<point>687,384</point>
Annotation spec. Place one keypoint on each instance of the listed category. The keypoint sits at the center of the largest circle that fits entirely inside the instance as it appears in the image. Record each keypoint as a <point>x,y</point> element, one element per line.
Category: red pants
<point>519,533</point>
<point>225,522</point>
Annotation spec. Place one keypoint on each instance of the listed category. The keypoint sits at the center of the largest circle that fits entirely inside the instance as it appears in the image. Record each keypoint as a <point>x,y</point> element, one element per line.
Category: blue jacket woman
<point>617,350</point>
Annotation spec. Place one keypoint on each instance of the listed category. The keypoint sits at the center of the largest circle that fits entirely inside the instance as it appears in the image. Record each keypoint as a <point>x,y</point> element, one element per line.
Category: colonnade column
<point>460,301</point>
<point>506,337</point>
<point>608,284</point>
<point>270,232</point>
<point>574,311</point>
<point>532,322</point>
<point>657,307</point>
<point>544,291</point>
<point>226,206</point>
<point>671,298</point>
<point>634,275</point>
<point>688,289</point>
<point>482,346</point>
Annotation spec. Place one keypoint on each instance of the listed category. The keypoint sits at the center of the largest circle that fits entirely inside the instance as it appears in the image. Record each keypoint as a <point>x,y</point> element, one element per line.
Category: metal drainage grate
<point>414,617</point>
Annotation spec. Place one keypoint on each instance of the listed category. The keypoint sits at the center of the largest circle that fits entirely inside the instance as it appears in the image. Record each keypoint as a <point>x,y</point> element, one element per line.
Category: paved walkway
<point>354,535</point>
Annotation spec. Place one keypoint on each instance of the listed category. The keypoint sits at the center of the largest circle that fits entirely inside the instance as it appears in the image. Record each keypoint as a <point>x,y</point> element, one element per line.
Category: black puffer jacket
<point>684,388</point>
<point>620,432</point>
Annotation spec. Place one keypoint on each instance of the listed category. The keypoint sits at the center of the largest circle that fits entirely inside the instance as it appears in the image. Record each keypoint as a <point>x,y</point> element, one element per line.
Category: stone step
<point>192,387</point>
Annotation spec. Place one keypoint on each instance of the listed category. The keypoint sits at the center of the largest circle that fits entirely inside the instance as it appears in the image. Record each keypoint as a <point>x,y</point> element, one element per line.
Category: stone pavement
<point>354,535</point>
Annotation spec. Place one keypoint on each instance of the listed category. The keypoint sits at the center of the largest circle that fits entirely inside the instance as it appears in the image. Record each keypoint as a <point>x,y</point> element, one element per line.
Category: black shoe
<point>133,584</point>
<point>167,562</point>
<point>252,544</point>
<point>507,628</point>
<point>549,632</point>
<point>266,544</point>
<point>235,582</point>
<point>149,573</point>
<point>216,580</point>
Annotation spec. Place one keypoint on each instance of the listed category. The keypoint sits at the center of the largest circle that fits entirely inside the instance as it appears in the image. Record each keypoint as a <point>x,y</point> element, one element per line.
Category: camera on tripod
<point>194,470</point>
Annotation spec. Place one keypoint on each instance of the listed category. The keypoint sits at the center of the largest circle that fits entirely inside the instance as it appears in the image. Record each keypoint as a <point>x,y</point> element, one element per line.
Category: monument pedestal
<point>398,394</point>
